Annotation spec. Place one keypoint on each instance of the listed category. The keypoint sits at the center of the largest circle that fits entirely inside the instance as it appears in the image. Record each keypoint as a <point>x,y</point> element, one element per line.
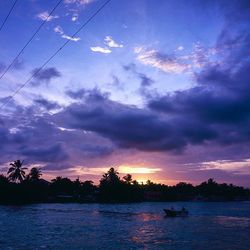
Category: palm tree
<point>16,171</point>
<point>35,174</point>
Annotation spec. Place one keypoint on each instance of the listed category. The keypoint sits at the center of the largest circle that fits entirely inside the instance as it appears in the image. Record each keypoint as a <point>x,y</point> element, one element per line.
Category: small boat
<point>176,213</point>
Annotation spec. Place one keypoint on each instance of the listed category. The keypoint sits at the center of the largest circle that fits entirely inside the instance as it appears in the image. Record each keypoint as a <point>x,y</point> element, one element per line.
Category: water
<point>125,226</point>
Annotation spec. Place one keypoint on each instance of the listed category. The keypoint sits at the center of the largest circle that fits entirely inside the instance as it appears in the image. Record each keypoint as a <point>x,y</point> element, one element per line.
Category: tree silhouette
<point>87,188</point>
<point>35,174</point>
<point>127,178</point>
<point>16,171</point>
<point>111,177</point>
<point>149,183</point>
<point>88,185</point>
<point>62,185</point>
<point>110,186</point>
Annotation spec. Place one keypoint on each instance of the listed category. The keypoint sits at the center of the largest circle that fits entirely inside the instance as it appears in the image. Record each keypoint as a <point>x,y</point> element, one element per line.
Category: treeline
<point>19,187</point>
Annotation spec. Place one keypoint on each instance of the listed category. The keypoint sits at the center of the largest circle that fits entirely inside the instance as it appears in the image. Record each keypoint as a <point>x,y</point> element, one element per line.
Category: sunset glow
<point>138,170</point>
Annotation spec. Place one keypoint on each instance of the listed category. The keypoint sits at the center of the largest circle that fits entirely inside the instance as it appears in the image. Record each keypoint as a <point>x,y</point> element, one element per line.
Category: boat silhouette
<point>176,213</point>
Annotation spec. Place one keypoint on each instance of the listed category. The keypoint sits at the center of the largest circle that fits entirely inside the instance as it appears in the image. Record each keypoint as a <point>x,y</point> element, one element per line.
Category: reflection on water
<point>149,217</point>
<point>125,226</point>
<point>140,216</point>
<point>150,235</point>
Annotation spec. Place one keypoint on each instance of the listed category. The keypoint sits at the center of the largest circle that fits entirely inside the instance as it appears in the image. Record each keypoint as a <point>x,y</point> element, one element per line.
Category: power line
<point>31,38</point>
<point>6,18</point>
<point>55,53</point>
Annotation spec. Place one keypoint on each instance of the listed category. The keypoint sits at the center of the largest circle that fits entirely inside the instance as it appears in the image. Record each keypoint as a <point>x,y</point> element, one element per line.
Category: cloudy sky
<point>159,89</point>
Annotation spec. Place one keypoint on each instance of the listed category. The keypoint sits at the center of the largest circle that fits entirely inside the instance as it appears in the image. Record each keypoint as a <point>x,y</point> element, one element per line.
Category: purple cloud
<point>44,75</point>
<point>145,80</point>
<point>48,105</point>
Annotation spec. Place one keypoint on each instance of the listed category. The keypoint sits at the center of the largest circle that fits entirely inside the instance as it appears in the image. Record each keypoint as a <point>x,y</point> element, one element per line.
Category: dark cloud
<point>116,83</point>
<point>227,114</point>
<point>78,94</point>
<point>145,80</point>
<point>90,94</point>
<point>131,127</point>
<point>54,153</point>
<point>48,105</point>
<point>117,122</point>
<point>34,137</point>
<point>44,75</point>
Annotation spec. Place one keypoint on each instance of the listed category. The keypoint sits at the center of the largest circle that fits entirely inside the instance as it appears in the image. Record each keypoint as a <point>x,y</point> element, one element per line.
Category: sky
<point>159,89</point>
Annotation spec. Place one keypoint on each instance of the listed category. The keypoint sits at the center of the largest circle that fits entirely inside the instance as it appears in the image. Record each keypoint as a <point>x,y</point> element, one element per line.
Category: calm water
<point>129,226</point>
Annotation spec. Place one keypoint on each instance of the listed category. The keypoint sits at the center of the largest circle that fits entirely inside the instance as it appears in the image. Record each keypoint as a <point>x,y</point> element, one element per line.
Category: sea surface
<point>211,225</point>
